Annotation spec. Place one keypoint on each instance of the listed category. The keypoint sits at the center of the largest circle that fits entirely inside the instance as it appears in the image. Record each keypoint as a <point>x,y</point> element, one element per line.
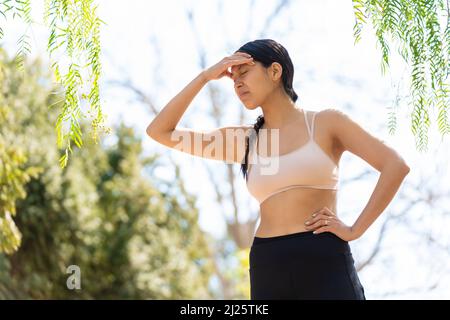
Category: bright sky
<point>330,71</point>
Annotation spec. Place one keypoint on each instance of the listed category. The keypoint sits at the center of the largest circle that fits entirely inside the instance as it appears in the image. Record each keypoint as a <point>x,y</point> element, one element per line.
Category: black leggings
<point>303,265</point>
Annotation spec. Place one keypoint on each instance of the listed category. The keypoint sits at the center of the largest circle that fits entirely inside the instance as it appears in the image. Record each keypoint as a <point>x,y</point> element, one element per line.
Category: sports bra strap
<point>312,126</point>
<point>310,130</point>
<point>307,124</point>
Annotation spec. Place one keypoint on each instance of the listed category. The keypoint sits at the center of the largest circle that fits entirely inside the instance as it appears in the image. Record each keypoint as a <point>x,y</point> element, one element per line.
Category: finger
<point>321,230</point>
<point>326,210</point>
<point>243,53</point>
<point>314,214</point>
<point>320,223</point>
<point>243,59</point>
<point>237,57</point>
<point>240,61</point>
<point>317,217</point>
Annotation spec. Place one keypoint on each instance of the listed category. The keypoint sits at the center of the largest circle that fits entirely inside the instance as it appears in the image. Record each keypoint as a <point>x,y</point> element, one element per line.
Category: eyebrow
<point>238,68</point>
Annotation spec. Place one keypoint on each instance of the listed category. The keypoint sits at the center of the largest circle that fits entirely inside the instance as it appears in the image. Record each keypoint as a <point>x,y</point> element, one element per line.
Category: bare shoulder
<point>353,136</point>
<point>331,114</point>
<point>327,118</point>
<point>334,119</point>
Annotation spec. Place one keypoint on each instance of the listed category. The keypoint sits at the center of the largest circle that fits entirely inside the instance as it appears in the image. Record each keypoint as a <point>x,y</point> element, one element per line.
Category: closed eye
<point>243,73</point>
<point>240,74</point>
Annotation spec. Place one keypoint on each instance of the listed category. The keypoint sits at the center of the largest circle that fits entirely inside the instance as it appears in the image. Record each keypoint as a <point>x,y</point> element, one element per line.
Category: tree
<point>75,32</point>
<point>75,36</point>
<point>100,213</point>
<point>424,45</point>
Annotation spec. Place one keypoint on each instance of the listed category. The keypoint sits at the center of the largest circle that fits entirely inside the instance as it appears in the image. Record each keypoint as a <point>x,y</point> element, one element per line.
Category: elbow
<point>403,167</point>
<point>151,131</point>
<point>397,166</point>
<point>407,169</point>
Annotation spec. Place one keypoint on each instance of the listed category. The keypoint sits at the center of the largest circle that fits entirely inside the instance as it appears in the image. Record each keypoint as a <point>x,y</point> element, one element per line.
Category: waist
<point>297,248</point>
<point>300,199</point>
<point>304,237</point>
<point>287,212</point>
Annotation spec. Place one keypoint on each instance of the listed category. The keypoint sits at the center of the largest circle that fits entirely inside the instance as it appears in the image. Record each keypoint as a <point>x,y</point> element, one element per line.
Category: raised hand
<point>220,69</point>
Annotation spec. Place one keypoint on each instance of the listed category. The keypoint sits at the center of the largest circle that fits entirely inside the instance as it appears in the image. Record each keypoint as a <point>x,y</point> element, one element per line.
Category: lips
<point>243,93</point>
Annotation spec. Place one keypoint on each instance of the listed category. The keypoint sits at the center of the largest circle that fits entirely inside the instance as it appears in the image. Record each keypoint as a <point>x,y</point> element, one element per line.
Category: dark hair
<point>267,51</point>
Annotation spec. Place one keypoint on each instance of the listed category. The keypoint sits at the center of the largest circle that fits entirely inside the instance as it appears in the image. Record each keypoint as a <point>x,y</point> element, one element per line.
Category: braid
<point>256,126</point>
<point>290,91</point>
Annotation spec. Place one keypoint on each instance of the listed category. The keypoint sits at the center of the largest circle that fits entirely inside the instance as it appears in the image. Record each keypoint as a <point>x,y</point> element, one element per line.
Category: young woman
<point>301,247</point>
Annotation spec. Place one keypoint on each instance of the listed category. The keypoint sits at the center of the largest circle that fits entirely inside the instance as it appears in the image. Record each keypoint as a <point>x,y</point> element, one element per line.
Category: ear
<point>276,70</point>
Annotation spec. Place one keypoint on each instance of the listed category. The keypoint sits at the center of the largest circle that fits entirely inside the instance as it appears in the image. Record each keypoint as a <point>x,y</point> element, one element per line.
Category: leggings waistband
<point>301,234</point>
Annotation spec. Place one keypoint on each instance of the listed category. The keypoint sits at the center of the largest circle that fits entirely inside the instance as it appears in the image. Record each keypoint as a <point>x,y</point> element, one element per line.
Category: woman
<point>301,247</point>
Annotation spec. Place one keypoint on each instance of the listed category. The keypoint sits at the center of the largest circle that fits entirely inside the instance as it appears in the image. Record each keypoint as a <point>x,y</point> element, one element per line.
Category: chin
<point>249,104</point>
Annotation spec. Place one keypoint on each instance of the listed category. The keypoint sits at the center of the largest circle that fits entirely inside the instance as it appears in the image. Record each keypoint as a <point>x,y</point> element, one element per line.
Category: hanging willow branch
<point>75,35</point>
<point>424,45</point>
<point>74,24</point>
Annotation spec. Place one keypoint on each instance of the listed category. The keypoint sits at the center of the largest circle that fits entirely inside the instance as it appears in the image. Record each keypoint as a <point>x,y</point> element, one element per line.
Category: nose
<point>237,84</point>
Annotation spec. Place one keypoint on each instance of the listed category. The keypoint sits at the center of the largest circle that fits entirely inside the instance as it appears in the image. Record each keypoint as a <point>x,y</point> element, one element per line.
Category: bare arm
<point>392,167</point>
<point>211,144</point>
<point>350,136</point>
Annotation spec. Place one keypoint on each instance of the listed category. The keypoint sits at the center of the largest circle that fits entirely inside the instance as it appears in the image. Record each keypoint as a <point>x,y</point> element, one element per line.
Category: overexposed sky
<point>330,71</point>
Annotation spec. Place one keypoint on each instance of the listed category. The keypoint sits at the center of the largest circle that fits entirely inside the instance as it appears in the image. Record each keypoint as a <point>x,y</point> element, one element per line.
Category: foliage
<point>424,44</point>
<point>131,237</point>
<point>75,38</point>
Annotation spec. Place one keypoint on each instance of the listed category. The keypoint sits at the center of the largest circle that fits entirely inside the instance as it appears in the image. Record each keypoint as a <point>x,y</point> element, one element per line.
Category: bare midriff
<point>286,212</point>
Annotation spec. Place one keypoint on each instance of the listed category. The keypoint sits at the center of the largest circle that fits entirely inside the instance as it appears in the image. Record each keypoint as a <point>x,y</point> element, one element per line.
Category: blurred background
<point>142,221</point>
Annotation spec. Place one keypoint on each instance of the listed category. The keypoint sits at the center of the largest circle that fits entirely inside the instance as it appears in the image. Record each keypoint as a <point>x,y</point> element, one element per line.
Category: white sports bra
<point>305,167</point>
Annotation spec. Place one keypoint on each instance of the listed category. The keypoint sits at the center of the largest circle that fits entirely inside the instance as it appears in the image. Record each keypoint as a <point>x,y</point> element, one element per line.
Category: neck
<point>279,110</point>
